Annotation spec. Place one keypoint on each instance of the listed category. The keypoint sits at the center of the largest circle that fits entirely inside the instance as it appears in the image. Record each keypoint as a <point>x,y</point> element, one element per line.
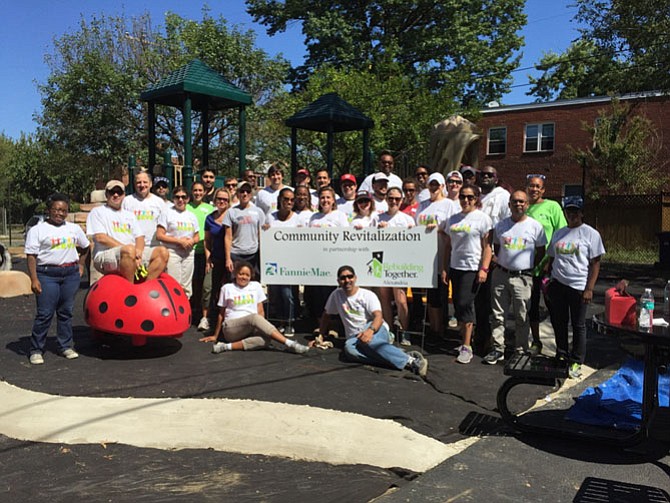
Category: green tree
<point>582,70</point>
<point>624,47</point>
<point>626,155</point>
<point>465,45</point>
<point>91,105</point>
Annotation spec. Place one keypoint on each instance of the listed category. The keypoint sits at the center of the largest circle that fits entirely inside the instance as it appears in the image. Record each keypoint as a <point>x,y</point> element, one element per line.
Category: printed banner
<point>381,257</point>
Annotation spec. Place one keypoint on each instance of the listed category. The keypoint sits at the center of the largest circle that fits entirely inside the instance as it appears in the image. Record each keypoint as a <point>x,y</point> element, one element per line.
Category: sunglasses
<point>455,182</point>
<point>485,174</point>
<point>116,192</point>
<point>541,177</point>
<point>342,277</point>
<point>225,199</point>
<point>231,185</point>
<point>180,197</point>
<point>244,191</point>
<point>408,190</point>
<point>393,198</point>
<point>468,197</point>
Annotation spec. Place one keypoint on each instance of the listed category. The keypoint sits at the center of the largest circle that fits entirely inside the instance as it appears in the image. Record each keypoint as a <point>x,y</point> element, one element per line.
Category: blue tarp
<point>618,401</point>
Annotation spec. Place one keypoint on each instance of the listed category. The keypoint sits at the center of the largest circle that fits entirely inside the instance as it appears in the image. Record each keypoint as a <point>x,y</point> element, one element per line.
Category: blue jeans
<point>377,352</point>
<point>567,305</point>
<point>281,302</point>
<point>59,286</point>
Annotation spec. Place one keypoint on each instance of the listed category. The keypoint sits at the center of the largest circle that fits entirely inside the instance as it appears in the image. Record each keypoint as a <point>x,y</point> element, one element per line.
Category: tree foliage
<point>624,47</point>
<point>626,156</point>
<point>465,45</point>
<point>91,103</point>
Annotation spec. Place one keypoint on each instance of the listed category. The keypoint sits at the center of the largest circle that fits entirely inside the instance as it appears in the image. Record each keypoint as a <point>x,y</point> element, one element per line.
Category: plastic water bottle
<point>666,300</point>
<point>646,309</point>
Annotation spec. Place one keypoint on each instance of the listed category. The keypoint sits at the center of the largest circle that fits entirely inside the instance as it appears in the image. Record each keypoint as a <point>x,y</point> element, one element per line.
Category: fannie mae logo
<point>271,269</point>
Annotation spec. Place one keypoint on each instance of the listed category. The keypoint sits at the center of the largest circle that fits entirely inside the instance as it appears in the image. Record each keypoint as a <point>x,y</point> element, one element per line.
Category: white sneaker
<point>464,354</point>
<point>299,349</point>
<point>203,326</point>
<point>288,332</point>
<point>70,354</point>
<point>218,347</point>
<point>36,359</point>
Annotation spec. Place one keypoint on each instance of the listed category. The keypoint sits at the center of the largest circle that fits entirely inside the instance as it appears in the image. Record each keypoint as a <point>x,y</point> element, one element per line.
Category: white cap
<point>437,177</point>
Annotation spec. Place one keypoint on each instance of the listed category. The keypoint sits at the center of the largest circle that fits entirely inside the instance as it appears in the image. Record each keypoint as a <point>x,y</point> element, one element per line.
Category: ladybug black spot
<point>118,323</point>
<point>154,294</point>
<point>94,287</point>
<point>177,291</point>
<point>165,312</point>
<point>181,309</point>
<point>103,307</point>
<point>147,325</point>
<point>86,314</point>
<point>130,301</point>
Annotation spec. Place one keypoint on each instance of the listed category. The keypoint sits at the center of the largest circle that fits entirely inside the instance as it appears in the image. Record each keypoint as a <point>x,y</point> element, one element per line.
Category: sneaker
<point>535,348</point>
<point>453,322</point>
<point>70,354</point>
<point>575,371</point>
<point>404,339</point>
<point>203,326</point>
<point>36,359</point>
<point>464,354</point>
<point>288,332</point>
<point>299,349</point>
<point>419,364</point>
<point>391,338</point>
<point>494,357</point>
<point>218,347</point>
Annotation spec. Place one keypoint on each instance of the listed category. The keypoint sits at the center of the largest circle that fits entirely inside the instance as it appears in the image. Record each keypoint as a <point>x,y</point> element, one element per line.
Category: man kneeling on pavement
<point>367,334</point>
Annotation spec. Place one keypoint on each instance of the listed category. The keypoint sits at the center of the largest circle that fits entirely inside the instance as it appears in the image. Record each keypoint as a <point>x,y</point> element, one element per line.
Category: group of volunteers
<point>496,248</point>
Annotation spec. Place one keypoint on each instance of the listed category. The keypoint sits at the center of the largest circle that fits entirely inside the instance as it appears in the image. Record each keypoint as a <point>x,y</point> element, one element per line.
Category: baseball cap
<point>114,183</point>
<point>348,177</point>
<point>161,179</point>
<point>379,176</point>
<point>468,169</point>
<point>573,202</point>
<point>437,177</point>
<point>454,174</point>
<point>363,194</point>
<point>302,172</point>
<point>244,183</point>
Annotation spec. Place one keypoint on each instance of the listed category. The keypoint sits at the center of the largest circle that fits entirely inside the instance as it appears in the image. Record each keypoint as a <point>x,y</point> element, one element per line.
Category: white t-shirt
<point>380,205</point>
<point>355,311</point>
<point>240,302</point>
<point>400,219</point>
<point>346,207</point>
<point>304,217</point>
<point>394,181</point>
<point>55,244</point>
<point>118,224</point>
<point>245,224</point>
<point>178,224</point>
<point>572,250</point>
<point>266,199</point>
<point>518,241</point>
<point>333,219</point>
<point>496,204</point>
<point>436,212</point>
<point>466,231</point>
<point>363,222</point>
<point>274,221</point>
<point>146,213</point>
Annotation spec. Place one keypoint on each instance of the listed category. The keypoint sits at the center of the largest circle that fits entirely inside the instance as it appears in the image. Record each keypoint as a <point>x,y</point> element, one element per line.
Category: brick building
<point>535,138</point>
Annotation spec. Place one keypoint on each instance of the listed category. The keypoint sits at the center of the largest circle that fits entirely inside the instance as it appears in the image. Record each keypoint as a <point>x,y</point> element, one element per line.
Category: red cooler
<point>620,309</point>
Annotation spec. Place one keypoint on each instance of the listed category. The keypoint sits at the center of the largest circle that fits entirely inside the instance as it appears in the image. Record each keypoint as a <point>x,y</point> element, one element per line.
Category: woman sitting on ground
<point>241,321</point>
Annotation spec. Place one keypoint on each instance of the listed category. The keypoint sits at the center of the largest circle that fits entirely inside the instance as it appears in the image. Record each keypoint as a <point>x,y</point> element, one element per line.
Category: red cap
<point>302,172</point>
<point>348,177</point>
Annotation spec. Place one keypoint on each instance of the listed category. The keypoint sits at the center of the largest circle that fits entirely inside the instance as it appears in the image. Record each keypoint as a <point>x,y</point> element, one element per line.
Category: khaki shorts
<point>109,261</point>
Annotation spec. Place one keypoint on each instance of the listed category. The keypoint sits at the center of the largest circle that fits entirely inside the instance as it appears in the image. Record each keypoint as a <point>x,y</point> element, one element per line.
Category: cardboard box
<point>620,309</point>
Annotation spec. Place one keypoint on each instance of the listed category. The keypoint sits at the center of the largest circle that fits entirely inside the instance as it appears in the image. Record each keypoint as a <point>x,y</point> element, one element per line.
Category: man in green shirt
<point>202,280</point>
<point>550,214</point>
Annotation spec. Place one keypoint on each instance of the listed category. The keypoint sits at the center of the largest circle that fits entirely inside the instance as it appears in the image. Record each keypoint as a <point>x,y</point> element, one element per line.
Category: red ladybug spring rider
<point>155,308</point>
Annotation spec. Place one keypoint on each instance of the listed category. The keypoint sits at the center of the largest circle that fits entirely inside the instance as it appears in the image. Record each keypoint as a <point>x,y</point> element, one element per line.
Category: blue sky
<point>29,27</point>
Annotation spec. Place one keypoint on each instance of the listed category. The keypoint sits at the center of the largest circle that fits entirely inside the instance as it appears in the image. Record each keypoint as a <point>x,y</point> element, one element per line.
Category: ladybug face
<point>156,308</point>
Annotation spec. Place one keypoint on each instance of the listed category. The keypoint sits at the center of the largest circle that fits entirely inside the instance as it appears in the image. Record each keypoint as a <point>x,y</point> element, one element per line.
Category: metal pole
<point>243,141</point>
<point>152,135</point>
<point>131,175</point>
<point>187,170</point>
<point>168,169</point>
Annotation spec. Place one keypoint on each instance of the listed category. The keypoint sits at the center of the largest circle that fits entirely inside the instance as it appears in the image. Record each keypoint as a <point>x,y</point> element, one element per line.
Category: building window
<point>539,137</point>
<point>497,140</point>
